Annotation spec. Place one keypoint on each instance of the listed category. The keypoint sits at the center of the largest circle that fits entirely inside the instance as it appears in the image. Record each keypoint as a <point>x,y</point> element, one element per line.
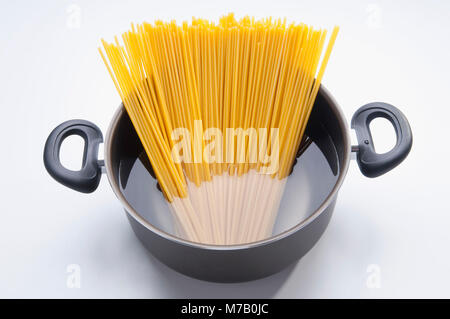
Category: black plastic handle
<point>87,179</point>
<point>371,163</point>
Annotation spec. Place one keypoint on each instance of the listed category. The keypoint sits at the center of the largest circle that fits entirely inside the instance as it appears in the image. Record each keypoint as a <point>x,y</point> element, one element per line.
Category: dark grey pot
<point>238,262</point>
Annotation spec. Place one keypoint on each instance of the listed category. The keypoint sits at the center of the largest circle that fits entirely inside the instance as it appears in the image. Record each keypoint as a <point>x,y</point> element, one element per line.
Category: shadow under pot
<point>305,210</point>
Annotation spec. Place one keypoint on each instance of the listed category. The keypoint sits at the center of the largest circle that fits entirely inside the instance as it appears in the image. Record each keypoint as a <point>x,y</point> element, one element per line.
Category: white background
<point>50,71</point>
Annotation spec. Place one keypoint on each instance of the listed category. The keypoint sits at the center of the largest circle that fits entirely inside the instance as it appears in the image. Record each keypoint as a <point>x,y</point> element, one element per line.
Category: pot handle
<point>371,163</point>
<point>87,179</point>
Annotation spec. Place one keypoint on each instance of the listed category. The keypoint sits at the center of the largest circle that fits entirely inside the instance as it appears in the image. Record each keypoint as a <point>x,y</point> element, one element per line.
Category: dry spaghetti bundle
<point>220,110</point>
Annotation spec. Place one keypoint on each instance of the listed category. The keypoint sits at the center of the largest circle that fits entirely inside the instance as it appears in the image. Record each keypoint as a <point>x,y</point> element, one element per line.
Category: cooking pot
<point>305,211</point>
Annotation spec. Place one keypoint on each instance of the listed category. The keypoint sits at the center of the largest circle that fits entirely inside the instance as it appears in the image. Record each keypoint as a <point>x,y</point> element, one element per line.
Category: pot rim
<point>132,212</point>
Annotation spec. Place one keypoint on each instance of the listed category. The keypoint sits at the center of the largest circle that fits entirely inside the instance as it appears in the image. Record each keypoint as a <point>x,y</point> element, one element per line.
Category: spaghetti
<point>220,110</point>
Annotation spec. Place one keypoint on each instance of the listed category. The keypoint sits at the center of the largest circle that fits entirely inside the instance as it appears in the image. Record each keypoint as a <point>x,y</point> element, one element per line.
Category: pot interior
<point>312,180</point>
